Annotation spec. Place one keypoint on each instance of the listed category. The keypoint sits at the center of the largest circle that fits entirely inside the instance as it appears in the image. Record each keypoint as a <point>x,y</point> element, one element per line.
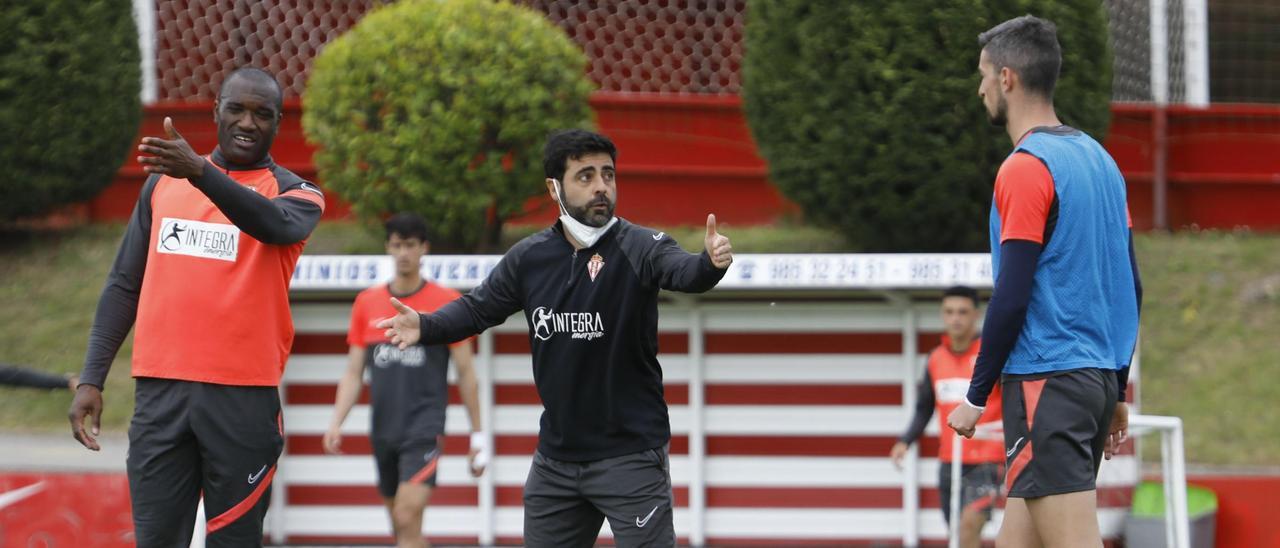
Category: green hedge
<point>69,105</point>
<point>868,115</point>
<point>441,108</point>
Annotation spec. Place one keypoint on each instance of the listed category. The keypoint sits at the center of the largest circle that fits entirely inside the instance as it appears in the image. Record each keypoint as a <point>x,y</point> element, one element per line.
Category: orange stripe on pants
<point>230,516</point>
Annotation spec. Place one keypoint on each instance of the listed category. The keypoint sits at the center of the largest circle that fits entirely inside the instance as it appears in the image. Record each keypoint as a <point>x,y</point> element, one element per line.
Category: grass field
<point>1209,345</point>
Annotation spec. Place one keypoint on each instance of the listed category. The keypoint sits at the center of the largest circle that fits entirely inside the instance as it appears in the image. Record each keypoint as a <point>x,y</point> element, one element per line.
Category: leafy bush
<point>868,114</point>
<point>69,100</point>
<point>441,108</point>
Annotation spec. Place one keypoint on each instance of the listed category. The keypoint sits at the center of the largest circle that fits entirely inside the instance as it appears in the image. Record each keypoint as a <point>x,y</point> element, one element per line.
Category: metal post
<point>485,380</point>
<point>1174,475</point>
<point>144,16</point>
<point>1159,121</point>
<point>1181,519</point>
<point>957,456</point>
<point>1159,51</point>
<point>697,428</point>
<point>1195,51</point>
<point>279,503</point>
<point>1166,454</point>
<point>911,483</point>
<point>1160,162</point>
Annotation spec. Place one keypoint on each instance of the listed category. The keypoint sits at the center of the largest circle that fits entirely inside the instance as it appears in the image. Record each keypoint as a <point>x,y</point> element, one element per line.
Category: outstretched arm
<point>489,304</point>
<point>286,219</point>
<point>17,376</point>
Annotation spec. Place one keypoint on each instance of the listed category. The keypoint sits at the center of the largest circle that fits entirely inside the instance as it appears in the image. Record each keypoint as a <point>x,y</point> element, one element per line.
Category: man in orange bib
<point>202,276</point>
<point>945,382</point>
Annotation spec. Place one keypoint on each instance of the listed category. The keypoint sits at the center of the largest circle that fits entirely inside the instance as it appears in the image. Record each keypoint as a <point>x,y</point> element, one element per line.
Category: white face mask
<point>585,235</point>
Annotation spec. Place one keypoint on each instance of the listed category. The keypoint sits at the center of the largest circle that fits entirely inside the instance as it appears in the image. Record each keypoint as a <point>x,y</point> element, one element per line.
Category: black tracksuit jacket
<point>593,331</point>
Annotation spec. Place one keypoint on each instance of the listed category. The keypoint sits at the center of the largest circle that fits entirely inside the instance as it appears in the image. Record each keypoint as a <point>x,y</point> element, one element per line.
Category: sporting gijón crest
<point>594,265</point>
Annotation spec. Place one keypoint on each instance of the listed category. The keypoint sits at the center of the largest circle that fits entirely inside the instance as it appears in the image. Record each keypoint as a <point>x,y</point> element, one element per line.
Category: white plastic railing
<point>1173,468</point>
<point>198,535</point>
<point>985,431</point>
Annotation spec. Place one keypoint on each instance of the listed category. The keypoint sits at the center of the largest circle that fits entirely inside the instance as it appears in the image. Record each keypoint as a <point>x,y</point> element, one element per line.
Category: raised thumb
<point>169,129</point>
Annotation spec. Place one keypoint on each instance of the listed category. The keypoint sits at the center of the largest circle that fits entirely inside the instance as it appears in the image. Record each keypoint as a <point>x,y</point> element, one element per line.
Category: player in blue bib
<point>1063,320</point>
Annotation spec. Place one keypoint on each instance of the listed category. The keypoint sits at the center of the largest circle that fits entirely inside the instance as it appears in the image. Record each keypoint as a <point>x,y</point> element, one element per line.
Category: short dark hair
<point>962,291</point>
<point>408,225</point>
<point>1029,46</point>
<point>573,143</point>
<point>256,74</point>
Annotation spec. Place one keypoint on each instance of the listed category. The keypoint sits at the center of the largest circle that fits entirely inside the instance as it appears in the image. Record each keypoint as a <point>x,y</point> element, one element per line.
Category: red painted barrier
<point>1245,506</point>
<point>57,510</point>
<point>1223,170</point>
<point>72,509</point>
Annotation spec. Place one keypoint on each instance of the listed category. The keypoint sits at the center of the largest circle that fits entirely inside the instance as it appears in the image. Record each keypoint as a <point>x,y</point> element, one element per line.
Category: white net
<point>665,46</point>
<point>687,46</point>
<point>669,46</point>
<point>197,41</point>
<point>1131,47</point>
<point>1244,54</point>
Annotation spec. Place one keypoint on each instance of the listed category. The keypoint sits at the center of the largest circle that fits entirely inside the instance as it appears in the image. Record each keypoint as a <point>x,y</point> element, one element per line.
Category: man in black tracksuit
<point>589,289</point>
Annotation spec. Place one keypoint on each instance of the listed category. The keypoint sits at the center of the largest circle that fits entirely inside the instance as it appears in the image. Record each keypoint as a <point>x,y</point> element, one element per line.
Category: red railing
<point>681,156</point>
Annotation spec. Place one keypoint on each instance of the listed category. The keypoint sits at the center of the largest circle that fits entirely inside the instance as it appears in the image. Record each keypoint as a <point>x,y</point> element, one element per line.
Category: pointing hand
<point>402,329</point>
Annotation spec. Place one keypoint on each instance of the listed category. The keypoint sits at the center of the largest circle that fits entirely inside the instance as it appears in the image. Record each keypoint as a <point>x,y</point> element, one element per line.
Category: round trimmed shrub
<point>441,107</point>
<point>868,114</point>
<point>69,100</point>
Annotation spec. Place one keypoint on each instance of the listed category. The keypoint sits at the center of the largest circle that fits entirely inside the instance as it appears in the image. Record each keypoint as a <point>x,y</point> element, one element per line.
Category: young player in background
<point>943,386</point>
<point>408,388</point>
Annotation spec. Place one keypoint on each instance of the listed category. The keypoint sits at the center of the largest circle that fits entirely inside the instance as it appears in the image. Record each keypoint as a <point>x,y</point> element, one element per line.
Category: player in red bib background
<point>943,387</point>
<point>408,388</point>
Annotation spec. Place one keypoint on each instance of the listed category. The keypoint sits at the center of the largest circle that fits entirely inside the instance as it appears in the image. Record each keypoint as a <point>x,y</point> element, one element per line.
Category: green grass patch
<point>1209,352</point>
<point>1208,349</point>
<point>49,287</point>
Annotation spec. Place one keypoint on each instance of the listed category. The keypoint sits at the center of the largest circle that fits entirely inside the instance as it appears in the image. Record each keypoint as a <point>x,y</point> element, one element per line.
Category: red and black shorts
<point>979,488</point>
<point>1055,429</point>
<point>189,440</point>
<point>410,461</point>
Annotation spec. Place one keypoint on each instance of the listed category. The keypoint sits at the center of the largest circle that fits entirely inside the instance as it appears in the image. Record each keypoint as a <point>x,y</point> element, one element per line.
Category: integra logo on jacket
<point>580,325</point>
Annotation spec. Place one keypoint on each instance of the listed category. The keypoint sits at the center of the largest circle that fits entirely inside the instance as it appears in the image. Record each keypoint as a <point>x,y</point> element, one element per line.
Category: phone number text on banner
<point>749,271</point>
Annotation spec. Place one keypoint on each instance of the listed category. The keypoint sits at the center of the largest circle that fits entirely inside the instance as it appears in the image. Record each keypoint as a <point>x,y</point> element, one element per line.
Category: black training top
<point>593,330</point>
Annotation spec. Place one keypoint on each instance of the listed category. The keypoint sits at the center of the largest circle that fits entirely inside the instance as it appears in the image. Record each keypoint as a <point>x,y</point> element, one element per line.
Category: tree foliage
<point>868,115</point>
<point>441,108</point>
<point>69,100</point>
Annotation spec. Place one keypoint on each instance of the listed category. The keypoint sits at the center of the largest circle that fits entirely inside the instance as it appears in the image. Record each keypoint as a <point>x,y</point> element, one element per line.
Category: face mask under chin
<point>585,234</point>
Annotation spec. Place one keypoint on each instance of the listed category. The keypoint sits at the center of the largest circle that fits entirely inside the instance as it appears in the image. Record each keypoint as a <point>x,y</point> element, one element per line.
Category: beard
<point>586,216</point>
<point>999,118</point>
